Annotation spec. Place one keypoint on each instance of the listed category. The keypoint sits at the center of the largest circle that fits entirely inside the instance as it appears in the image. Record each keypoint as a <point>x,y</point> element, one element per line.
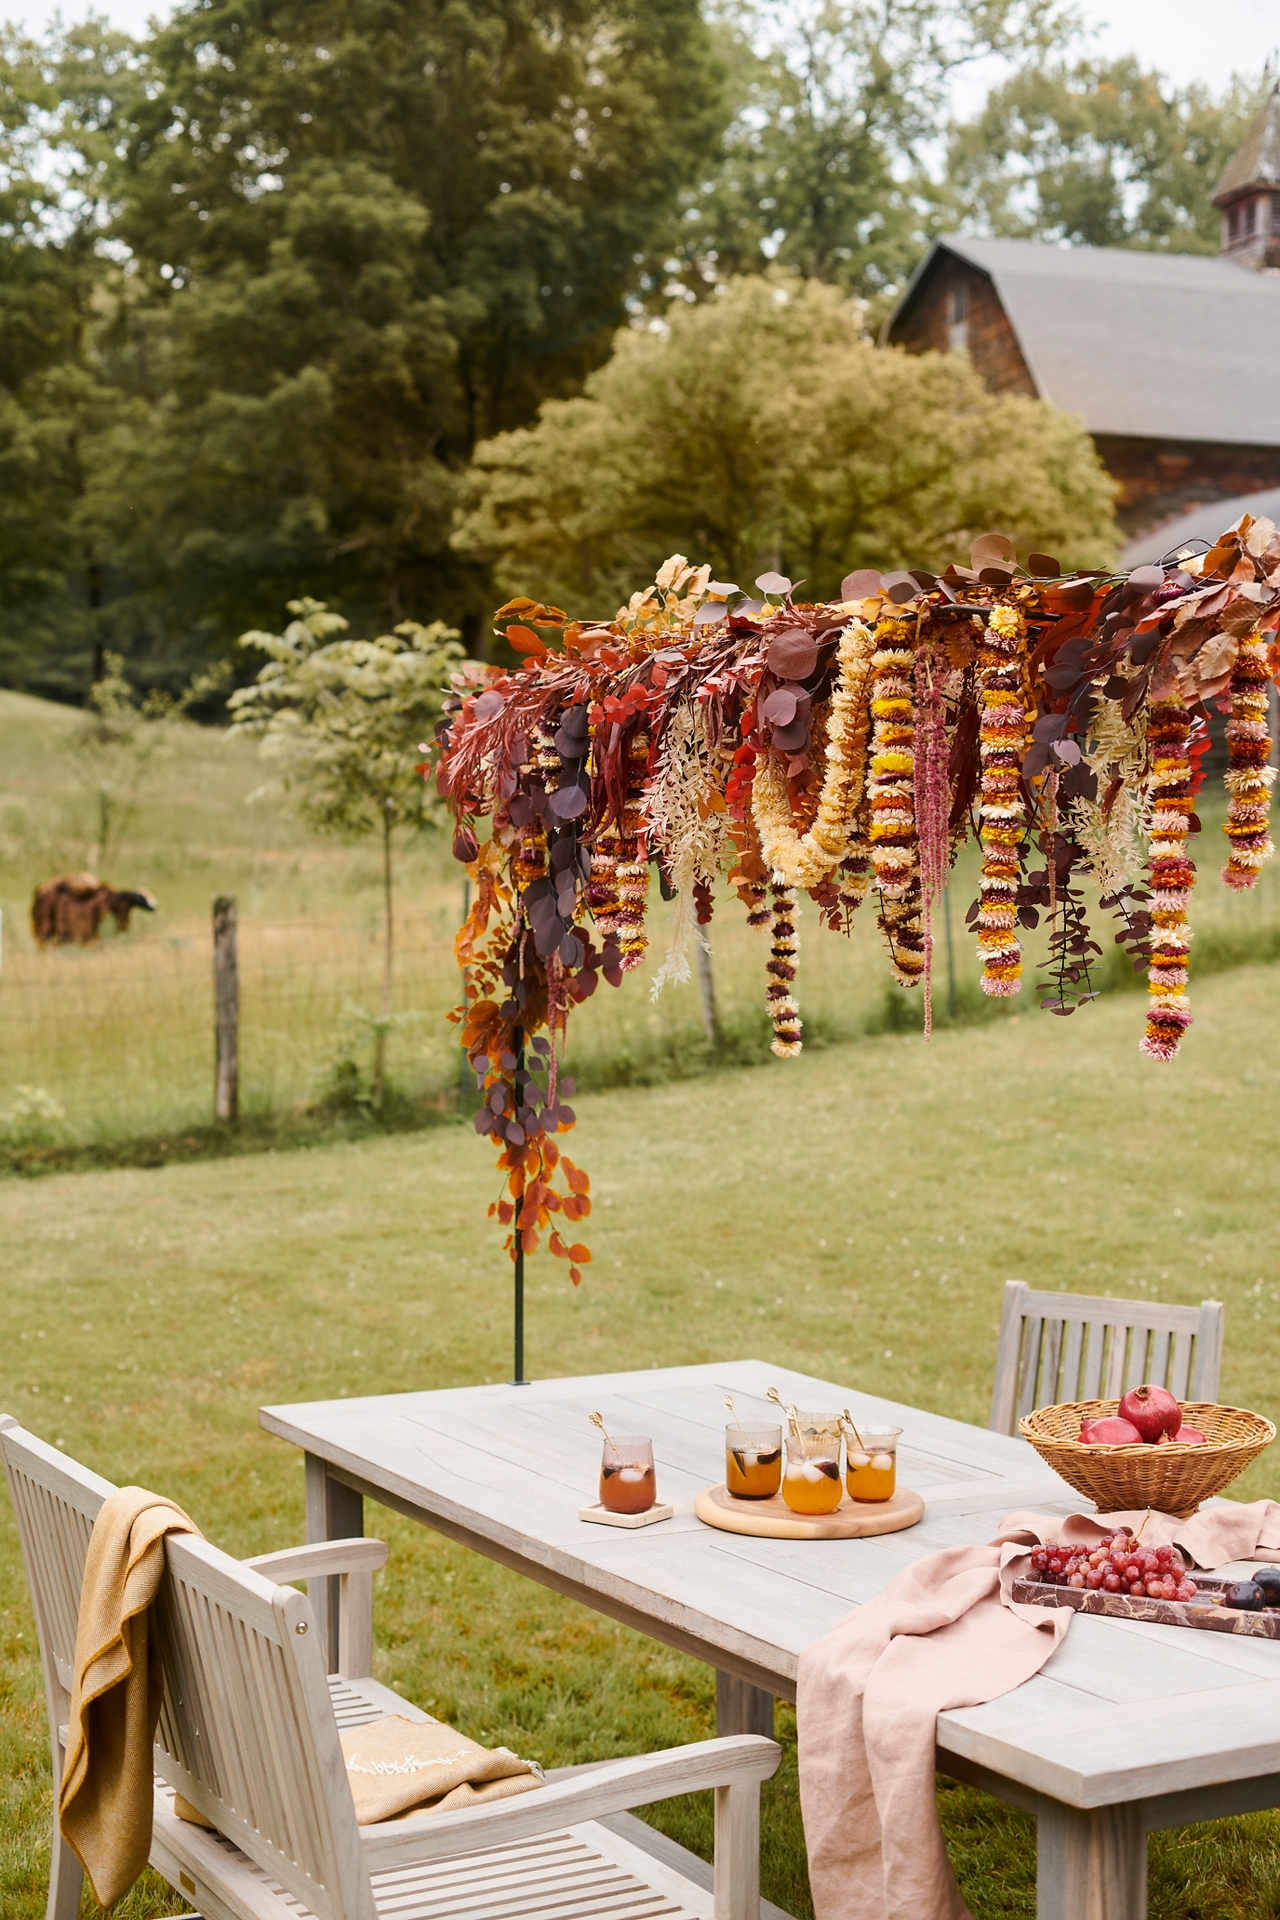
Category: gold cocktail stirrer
<point>857,1436</point>
<point>771,1393</point>
<point>728,1400</point>
<point>597,1420</point>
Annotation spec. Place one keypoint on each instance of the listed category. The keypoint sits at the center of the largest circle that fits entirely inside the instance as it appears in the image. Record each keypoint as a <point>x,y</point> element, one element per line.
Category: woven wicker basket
<point>1169,1478</point>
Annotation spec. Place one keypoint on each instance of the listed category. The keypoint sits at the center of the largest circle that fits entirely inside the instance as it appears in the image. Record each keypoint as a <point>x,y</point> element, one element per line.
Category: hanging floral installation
<point>834,750</point>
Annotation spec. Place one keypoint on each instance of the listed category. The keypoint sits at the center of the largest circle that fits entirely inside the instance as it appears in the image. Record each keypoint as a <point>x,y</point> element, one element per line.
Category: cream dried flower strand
<point>1111,838</point>
<point>685,814</point>
<point>804,859</point>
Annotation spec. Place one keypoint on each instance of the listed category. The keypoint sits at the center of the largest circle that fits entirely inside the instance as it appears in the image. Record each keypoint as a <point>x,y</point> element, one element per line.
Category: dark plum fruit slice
<point>1268,1578</point>
<point>1245,1595</point>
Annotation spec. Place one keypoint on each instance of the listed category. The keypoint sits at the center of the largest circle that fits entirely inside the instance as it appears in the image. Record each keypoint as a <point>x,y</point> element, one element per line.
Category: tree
<point>346,720</point>
<point>57,109</point>
<point>1101,153</point>
<point>118,742</point>
<point>763,429</point>
<point>820,168</point>
<point>360,237</point>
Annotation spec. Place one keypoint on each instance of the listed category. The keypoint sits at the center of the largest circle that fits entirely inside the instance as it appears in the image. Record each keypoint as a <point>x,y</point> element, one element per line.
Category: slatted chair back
<point>247,1732</point>
<point>1057,1347</point>
<point>56,1502</point>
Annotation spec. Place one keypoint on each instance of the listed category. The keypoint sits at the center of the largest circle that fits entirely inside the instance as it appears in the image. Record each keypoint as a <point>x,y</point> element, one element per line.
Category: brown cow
<point>70,910</point>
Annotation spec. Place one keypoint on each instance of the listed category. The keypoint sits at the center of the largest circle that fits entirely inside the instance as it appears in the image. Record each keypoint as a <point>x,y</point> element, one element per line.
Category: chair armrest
<point>321,1557</point>
<point>355,1562</point>
<point>613,1788</point>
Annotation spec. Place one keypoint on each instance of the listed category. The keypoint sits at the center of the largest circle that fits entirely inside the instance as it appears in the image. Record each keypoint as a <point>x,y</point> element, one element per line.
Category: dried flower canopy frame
<point>843,750</point>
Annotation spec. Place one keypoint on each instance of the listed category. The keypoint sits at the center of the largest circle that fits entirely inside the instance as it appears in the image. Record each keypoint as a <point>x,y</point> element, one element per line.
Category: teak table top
<point>505,1469</point>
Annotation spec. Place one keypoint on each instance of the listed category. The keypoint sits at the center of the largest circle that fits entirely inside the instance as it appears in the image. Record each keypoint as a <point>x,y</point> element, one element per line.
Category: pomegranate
<point>1112,1432</point>
<point>1152,1410</point>
<point>1189,1437</point>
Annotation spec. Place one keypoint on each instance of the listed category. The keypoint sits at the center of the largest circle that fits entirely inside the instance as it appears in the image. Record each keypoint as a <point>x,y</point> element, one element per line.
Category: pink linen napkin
<point>945,1633</point>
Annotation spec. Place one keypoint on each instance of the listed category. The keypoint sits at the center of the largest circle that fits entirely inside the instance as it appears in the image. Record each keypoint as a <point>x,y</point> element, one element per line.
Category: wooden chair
<point>248,1734</point>
<point>1044,1356</point>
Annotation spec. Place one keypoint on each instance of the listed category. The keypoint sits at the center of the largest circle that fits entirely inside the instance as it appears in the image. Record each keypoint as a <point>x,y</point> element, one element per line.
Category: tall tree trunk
<point>380,1050</point>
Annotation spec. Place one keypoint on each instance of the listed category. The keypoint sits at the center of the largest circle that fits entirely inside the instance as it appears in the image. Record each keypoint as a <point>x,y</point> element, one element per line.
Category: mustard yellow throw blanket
<point>395,1766</point>
<point>105,1801</point>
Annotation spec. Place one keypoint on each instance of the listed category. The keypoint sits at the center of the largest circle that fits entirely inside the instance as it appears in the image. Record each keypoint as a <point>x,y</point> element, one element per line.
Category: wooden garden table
<point>1128,1727</point>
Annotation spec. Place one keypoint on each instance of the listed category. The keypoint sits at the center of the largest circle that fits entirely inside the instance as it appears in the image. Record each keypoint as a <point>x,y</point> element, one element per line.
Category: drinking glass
<point>871,1470</point>
<point>627,1480</point>
<point>828,1424</point>
<point>752,1461</point>
<point>811,1483</point>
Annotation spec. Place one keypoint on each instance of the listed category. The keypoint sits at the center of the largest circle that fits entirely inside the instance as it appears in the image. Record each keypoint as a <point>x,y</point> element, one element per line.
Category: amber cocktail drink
<point>871,1462</point>
<point>627,1480</point>
<point>752,1461</point>
<point>811,1483</point>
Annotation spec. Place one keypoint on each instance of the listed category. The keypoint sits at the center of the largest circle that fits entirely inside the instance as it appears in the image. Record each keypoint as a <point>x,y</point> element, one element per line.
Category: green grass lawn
<point>854,1213</point>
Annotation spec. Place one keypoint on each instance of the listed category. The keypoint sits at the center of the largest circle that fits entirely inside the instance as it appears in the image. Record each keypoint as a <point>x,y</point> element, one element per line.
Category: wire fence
<point>116,1041</point>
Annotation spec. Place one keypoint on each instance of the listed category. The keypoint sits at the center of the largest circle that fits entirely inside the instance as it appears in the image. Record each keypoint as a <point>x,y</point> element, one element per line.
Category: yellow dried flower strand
<point>895,852</point>
<point>805,859</point>
<point>1001,739</point>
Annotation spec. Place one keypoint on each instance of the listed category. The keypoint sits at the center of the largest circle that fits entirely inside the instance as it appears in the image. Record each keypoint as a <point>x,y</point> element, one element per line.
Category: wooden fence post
<point>226,990</point>
<point>707,989</point>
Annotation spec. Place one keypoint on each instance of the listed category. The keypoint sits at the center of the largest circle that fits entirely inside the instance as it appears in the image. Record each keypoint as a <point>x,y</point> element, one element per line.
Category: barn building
<point>1168,358</point>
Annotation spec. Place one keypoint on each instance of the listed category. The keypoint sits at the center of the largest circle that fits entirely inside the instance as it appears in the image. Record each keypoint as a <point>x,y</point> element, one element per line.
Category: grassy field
<point>854,1213</point>
<point>110,1049</point>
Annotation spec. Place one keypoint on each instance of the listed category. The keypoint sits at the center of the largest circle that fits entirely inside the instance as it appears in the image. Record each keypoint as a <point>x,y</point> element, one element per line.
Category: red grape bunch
<point>1116,1565</point>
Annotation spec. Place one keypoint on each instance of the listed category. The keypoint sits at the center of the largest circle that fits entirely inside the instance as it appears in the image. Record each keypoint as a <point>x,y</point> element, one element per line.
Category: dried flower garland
<point>1110,819</point>
<point>793,747</point>
<point>892,829</point>
<point>783,1011</point>
<point>686,815</point>
<point>805,859</point>
<point>1002,739</point>
<point>1173,875</point>
<point>1249,778</point>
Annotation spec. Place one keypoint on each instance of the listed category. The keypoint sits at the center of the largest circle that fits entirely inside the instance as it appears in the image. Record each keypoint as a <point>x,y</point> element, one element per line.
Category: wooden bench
<point>1057,1347</point>
<point>249,1730</point>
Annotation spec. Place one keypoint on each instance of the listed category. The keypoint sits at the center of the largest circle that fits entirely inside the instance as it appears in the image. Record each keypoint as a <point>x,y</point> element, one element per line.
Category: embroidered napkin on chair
<point>106,1798</point>
<point>397,1766</point>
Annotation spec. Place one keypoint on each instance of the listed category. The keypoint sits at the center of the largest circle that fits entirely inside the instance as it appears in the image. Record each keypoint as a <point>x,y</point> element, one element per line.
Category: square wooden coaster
<point>601,1516</point>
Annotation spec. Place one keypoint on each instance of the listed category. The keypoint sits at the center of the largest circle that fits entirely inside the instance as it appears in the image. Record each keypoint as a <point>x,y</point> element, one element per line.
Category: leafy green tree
<point>121,738</point>
<point>763,430</point>
<point>361,237</point>
<point>57,110</point>
<point>820,166</point>
<point>1103,153</point>
<point>346,721</point>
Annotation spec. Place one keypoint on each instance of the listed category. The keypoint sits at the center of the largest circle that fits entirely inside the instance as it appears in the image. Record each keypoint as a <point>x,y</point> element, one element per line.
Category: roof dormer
<point>1249,193</point>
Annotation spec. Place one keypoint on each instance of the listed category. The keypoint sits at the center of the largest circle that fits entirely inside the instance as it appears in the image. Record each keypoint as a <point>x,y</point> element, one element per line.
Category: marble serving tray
<point>1205,1611</point>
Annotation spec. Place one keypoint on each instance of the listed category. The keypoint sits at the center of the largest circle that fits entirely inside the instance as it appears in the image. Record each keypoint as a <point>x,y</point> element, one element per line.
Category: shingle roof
<point>1257,164</point>
<point>1202,523</point>
<point>1158,345</point>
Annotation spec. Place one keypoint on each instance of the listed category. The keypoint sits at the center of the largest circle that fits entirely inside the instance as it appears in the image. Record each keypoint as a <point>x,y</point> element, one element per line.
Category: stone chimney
<point>1249,194</point>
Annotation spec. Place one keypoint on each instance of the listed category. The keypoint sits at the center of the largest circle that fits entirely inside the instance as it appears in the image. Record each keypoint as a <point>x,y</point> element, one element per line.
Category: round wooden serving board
<point>774,1519</point>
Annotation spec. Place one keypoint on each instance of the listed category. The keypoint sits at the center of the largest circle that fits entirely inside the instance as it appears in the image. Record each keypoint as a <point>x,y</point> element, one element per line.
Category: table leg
<point>1092,1865</point>
<point>334,1512</point>
<point>742,1708</point>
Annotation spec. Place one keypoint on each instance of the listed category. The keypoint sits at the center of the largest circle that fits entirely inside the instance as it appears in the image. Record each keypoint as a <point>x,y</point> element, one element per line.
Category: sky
<point>1184,39</point>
